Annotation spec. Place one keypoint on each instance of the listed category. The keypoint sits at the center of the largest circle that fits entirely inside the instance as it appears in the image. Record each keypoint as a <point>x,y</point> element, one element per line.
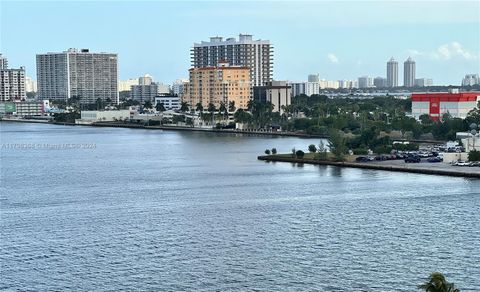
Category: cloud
<point>452,50</point>
<point>446,52</point>
<point>332,58</point>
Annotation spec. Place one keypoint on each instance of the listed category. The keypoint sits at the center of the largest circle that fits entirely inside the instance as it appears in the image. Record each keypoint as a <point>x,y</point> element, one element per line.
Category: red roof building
<point>435,104</point>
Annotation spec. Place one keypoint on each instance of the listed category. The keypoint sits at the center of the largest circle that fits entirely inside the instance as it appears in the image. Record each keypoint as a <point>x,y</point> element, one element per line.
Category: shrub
<point>360,151</point>
<point>267,151</point>
<point>312,148</point>
<point>474,155</point>
<point>274,151</point>
<point>293,152</point>
<point>300,154</point>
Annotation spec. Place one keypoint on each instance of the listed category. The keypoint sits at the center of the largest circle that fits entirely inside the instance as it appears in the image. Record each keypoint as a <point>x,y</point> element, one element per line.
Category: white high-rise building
<point>3,62</point>
<point>423,82</point>
<point>409,73</point>
<point>12,84</point>
<point>392,73</point>
<point>146,79</point>
<point>125,85</point>
<point>178,86</point>
<point>307,88</point>
<point>365,82</point>
<point>471,79</point>
<point>30,85</point>
<point>257,55</point>
<point>78,73</point>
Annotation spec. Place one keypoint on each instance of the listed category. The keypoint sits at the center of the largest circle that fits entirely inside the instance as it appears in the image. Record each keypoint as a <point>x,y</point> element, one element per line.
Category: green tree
<point>184,107</point>
<point>474,155</point>
<point>267,151</point>
<point>199,107</point>
<point>99,104</point>
<point>223,109</point>
<point>274,151</point>
<point>299,154</point>
<point>231,106</point>
<point>312,148</point>
<point>337,145</point>
<point>160,107</point>
<point>148,104</point>
<point>437,283</point>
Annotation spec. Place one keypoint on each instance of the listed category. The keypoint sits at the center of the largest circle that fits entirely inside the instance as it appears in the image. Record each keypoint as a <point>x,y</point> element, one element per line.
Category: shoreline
<point>182,128</point>
<point>418,170</point>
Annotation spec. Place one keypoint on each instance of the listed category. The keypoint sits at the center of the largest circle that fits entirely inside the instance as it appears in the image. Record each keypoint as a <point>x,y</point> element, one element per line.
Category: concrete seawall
<point>421,170</point>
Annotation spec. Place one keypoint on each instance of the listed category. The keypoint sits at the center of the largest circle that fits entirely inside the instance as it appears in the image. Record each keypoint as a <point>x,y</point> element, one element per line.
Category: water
<point>169,211</point>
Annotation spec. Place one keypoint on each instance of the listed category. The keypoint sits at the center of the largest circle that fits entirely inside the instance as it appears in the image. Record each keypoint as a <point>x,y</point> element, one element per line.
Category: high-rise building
<point>307,88</point>
<point>143,93</point>
<point>126,85</point>
<point>3,62</point>
<point>222,83</point>
<point>30,85</point>
<point>392,73</point>
<point>277,92</point>
<point>423,82</point>
<point>365,82</point>
<point>409,73</point>
<point>380,82</point>
<point>471,79</point>
<point>81,74</point>
<point>146,79</point>
<point>12,84</point>
<point>313,78</point>
<point>179,86</point>
<point>257,55</point>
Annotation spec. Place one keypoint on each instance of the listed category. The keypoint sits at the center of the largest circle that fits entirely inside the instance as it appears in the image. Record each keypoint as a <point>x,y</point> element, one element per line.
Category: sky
<point>335,39</point>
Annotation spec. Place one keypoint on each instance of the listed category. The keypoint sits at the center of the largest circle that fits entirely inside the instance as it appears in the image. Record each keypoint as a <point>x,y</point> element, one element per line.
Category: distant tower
<point>392,73</point>
<point>313,78</point>
<point>409,73</point>
<point>3,62</point>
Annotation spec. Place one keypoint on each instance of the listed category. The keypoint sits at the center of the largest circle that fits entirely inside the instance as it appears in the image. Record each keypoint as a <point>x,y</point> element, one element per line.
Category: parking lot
<point>427,165</point>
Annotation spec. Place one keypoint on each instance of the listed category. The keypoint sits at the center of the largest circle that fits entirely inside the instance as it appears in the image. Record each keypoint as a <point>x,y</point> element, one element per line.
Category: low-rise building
<point>170,102</point>
<point>436,104</point>
<point>23,108</point>
<point>89,117</point>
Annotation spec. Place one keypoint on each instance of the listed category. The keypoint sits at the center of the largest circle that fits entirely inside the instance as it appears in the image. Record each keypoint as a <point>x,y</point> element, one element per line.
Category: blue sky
<point>338,40</point>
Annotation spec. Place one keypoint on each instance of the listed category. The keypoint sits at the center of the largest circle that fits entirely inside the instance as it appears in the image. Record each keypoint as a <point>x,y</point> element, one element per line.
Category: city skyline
<point>445,45</point>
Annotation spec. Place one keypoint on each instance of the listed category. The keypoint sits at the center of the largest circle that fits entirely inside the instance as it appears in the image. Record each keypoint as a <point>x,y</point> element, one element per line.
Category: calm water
<point>168,211</point>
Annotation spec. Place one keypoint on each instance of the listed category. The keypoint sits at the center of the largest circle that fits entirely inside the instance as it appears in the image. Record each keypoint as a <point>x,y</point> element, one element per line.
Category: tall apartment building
<point>365,82</point>
<point>423,82</point>
<point>471,79</point>
<point>81,74</point>
<point>3,62</point>
<point>307,88</point>
<point>392,73</point>
<point>380,82</point>
<point>12,82</point>
<point>279,93</point>
<point>143,93</point>
<point>257,55</point>
<point>409,73</point>
<point>178,87</point>
<point>222,83</point>
<point>126,85</point>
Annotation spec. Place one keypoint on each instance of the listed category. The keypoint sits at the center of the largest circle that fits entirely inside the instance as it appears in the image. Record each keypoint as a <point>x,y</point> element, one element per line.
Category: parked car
<point>413,159</point>
<point>434,159</point>
<point>476,163</point>
<point>461,163</point>
<point>362,159</point>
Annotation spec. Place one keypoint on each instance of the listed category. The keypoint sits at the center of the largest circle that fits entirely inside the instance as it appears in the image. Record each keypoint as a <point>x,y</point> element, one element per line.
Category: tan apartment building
<point>223,83</point>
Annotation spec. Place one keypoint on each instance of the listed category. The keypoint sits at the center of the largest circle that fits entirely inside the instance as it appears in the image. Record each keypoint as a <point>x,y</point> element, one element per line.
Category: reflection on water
<point>169,211</point>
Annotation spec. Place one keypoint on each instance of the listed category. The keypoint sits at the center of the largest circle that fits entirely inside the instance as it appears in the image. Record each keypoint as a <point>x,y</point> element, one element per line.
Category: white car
<point>461,163</point>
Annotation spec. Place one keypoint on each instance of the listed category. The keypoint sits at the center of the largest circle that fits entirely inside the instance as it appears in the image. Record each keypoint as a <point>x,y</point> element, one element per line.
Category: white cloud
<point>332,58</point>
<point>452,50</point>
<point>446,52</point>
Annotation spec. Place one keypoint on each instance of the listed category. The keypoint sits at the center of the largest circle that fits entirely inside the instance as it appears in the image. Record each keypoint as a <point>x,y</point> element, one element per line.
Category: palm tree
<point>160,107</point>
<point>231,106</point>
<point>211,110</point>
<point>222,109</point>
<point>184,107</point>
<point>199,107</point>
<point>437,283</point>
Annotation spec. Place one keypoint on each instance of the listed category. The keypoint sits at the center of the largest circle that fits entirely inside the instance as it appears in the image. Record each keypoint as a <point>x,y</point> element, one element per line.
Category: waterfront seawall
<point>411,168</point>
